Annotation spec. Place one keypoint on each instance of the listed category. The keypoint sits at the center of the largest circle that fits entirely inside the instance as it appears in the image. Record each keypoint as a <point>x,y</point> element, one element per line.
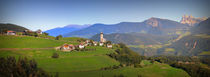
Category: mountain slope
<point>151,26</point>
<point>134,38</point>
<point>202,28</point>
<point>12,27</point>
<point>65,29</point>
<point>193,45</point>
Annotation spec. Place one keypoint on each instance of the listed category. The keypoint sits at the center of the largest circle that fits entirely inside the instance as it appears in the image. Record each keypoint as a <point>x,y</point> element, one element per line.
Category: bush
<point>11,67</point>
<point>55,55</point>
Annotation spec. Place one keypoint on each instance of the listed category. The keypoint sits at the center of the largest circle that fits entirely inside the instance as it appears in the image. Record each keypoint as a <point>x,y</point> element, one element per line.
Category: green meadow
<point>67,61</point>
<point>27,42</point>
<point>79,63</point>
<point>152,70</point>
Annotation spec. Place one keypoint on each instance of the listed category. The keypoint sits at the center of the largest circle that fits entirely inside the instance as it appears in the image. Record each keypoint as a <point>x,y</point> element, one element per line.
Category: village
<point>82,45</point>
<point>25,32</point>
<point>68,47</point>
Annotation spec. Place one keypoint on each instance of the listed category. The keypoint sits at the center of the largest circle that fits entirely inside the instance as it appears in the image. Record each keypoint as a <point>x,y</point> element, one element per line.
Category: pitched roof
<point>10,31</point>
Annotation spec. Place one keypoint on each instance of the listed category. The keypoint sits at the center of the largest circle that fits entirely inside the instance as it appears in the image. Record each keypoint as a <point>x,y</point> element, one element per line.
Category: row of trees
<point>10,67</point>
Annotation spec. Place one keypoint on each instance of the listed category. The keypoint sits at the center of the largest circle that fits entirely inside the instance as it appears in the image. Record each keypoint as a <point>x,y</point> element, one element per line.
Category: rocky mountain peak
<point>190,20</point>
<point>153,22</point>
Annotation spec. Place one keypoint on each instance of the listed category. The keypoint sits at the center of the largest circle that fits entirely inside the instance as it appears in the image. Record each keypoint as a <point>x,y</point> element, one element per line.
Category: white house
<point>39,31</point>
<point>11,32</point>
<point>81,46</point>
<point>109,45</point>
<point>101,44</point>
<point>95,43</point>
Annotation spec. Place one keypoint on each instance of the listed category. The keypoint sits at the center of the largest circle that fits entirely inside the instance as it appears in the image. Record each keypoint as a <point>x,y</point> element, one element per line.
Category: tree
<point>108,42</point>
<point>55,55</point>
<point>45,33</point>
<point>58,37</point>
<point>11,67</point>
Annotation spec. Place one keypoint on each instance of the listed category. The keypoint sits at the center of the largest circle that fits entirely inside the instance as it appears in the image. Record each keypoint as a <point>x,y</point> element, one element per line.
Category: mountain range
<point>153,25</point>
<point>66,29</point>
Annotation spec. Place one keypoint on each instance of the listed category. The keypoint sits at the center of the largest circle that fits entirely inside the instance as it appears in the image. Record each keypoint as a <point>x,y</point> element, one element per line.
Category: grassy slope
<point>27,42</point>
<point>151,70</point>
<point>68,61</point>
<point>71,40</point>
<point>74,64</point>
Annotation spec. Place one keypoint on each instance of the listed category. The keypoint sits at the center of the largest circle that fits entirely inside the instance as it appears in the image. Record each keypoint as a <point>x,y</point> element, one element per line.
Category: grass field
<point>33,42</point>
<point>68,61</point>
<point>88,63</point>
<point>151,70</point>
<point>27,42</point>
<point>79,63</point>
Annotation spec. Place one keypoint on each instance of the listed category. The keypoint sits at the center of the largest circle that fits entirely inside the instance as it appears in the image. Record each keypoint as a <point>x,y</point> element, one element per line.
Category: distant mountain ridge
<point>151,26</point>
<point>66,29</point>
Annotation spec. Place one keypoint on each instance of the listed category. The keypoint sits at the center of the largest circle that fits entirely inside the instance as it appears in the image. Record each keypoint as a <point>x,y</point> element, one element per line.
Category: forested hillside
<point>13,27</point>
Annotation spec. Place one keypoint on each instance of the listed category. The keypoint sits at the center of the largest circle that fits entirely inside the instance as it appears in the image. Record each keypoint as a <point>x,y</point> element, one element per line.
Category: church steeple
<point>101,37</point>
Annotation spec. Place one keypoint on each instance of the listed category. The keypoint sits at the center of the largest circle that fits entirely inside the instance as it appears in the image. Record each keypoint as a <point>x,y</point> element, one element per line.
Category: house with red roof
<point>10,32</point>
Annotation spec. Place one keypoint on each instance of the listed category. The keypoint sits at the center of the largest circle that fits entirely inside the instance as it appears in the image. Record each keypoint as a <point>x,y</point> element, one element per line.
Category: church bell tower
<point>101,37</point>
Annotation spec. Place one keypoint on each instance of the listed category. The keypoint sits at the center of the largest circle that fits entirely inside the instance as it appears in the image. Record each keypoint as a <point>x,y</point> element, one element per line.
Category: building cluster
<point>10,32</point>
<point>82,45</point>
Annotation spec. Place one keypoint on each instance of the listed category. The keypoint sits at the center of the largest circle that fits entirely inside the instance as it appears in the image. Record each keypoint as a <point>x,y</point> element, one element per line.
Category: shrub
<point>55,55</point>
<point>11,67</point>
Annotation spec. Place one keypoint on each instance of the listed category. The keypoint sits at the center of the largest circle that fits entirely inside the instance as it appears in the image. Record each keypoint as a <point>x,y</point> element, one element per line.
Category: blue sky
<point>48,14</point>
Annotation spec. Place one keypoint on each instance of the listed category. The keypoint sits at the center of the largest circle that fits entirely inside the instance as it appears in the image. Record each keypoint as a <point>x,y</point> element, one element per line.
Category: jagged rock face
<point>190,20</point>
<point>153,22</point>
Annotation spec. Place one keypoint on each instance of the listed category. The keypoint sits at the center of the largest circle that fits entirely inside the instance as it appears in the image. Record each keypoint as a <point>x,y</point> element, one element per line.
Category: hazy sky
<point>47,14</point>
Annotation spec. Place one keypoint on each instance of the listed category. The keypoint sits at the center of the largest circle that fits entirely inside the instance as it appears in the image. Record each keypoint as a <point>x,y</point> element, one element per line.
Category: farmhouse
<point>67,47</point>
<point>39,31</point>
<point>9,32</point>
<point>101,44</point>
<point>109,45</point>
<point>94,43</point>
<point>81,46</point>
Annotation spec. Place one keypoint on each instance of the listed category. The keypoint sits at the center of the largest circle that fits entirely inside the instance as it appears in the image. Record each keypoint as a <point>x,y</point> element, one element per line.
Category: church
<point>102,39</point>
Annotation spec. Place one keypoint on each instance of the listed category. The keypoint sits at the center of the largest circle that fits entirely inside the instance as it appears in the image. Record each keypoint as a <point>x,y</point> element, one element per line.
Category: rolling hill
<point>12,27</point>
<point>153,25</point>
